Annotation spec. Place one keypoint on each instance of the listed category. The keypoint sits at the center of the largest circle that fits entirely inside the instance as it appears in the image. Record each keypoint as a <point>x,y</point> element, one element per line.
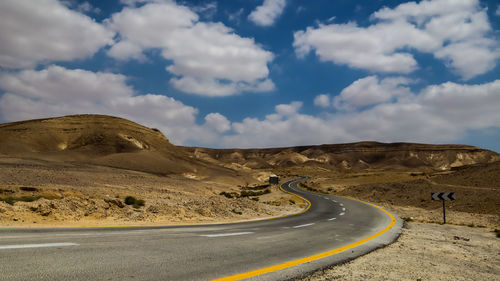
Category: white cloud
<point>322,100</point>
<point>288,109</point>
<point>371,48</point>
<point>285,127</point>
<point>34,32</point>
<point>86,7</point>
<point>267,13</point>
<point>212,88</point>
<point>498,10</point>
<point>60,84</point>
<point>58,91</point>
<point>438,113</point>
<point>208,58</point>
<point>218,122</point>
<point>454,31</point>
<point>133,3</point>
<point>370,90</point>
<point>208,10</point>
<point>469,58</point>
<point>235,16</point>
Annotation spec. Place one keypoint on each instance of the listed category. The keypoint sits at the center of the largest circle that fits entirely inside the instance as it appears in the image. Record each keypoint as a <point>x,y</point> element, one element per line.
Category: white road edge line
<point>341,214</point>
<point>23,246</point>
<point>332,219</point>
<point>302,225</point>
<point>226,234</point>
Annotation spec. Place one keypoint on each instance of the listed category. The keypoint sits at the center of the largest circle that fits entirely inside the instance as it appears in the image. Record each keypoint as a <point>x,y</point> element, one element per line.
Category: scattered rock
<point>27,188</point>
<point>153,209</point>
<point>115,202</point>
<point>43,208</point>
<point>461,238</point>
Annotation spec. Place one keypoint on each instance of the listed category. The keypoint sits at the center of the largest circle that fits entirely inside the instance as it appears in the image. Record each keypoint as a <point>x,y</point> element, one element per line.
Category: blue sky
<point>254,73</point>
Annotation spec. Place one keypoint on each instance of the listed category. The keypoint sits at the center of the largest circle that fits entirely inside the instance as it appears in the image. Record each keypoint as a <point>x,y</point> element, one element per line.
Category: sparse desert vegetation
<point>100,170</point>
<point>80,169</point>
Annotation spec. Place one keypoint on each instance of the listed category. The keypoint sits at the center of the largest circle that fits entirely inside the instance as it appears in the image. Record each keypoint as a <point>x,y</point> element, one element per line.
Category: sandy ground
<point>410,196</point>
<point>426,251</point>
<point>87,195</point>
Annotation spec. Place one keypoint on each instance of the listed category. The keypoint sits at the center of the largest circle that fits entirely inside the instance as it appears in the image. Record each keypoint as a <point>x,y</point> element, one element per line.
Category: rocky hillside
<point>352,156</point>
<point>96,134</point>
<point>100,140</point>
<point>116,142</point>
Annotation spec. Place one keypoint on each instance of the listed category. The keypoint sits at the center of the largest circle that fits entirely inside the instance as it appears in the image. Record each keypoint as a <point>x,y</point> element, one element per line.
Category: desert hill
<point>117,142</point>
<point>95,134</point>
<point>100,140</point>
<point>82,167</point>
<point>352,156</point>
<point>476,188</point>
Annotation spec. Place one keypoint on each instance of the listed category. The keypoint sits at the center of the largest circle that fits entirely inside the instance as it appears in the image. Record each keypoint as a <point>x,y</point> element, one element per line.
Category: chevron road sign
<point>443,196</point>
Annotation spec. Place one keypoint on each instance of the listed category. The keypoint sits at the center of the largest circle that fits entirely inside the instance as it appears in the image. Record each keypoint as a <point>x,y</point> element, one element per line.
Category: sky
<point>260,73</point>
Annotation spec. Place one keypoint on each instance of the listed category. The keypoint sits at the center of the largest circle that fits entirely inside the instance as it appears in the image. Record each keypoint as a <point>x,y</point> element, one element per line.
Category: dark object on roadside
<point>273,179</point>
<point>136,203</point>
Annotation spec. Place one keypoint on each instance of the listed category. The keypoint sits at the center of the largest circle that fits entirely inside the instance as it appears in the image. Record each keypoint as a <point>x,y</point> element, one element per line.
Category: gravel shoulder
<point>426,251</point>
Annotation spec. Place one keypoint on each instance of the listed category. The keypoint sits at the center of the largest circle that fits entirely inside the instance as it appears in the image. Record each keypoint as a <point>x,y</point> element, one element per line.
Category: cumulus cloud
<point>58,91</point>
<point>134,2</point>
<point>285,127</point>
<point>438,113</point>
<point>370,90</point>
<point>207,58</point>
<point>218,122</point>
<point>52,33</point>
<point>86,7</point>
<point>207,10</point>
<point>322,100</point>
<point>288,109</point>
<point>212,88</point>
<point>453,31</point>
<point>235,16</point>
<point>267,13</point>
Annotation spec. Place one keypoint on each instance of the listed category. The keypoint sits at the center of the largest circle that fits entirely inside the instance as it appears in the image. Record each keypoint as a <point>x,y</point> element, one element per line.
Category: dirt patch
<point>426,252</point>
<point>409,193</point>
<point>76,194</point>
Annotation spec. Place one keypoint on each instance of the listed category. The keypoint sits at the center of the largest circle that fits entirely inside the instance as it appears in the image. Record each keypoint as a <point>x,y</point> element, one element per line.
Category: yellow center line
<point>313,257</point>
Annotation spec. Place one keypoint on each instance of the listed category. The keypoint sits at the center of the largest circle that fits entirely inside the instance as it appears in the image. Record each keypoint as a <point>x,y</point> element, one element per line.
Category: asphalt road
<point>261,250</point>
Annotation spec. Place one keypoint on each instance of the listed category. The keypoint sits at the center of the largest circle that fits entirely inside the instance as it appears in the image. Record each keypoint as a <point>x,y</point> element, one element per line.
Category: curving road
<point>332,230</point>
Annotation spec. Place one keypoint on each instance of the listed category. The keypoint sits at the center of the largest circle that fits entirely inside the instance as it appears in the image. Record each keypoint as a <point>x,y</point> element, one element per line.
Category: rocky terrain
<point>80,169</point>
<point>425,252</point>
<point>94,170</point>
<point>409,193</point>
<point>361,156</point>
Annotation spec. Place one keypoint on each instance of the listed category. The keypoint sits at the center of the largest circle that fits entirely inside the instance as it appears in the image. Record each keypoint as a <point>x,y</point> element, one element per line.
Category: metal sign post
<point>443,196</point>
<point>444,213</point>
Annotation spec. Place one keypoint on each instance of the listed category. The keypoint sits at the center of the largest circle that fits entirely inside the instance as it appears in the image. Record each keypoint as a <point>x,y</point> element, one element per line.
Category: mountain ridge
<point>115,141</point>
